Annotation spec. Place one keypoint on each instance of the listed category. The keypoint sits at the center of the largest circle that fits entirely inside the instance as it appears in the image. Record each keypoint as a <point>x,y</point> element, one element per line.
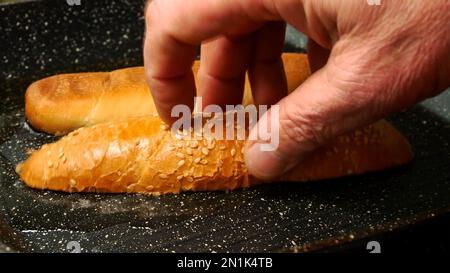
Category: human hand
<point>368,61</point>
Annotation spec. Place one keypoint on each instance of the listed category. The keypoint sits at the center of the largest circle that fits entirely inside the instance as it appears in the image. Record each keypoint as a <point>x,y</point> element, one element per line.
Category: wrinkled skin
<point>369,61</point>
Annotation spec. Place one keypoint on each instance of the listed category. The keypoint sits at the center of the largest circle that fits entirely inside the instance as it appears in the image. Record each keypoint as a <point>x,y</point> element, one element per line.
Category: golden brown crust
<point>136,155</point>
<point>62,103</point>
<point>376,147</point>
<point>139,156</point>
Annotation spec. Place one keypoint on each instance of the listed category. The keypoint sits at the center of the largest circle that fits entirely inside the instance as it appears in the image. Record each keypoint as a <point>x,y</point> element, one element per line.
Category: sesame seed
<point>50,164</point>
<point>64,159</point>
<point>179,177</point>
<point>180,155</point>
<point>205,151</point>
<point>189,151</point>
<point>197,160</point>
<point>180,163</point>
<point>150,187</point>
<point>170,148</point>
<point>72,183</point>
<point>163,176</point>
<point>130,188</point>
<point>233,152</point>
<point>204,161</point>
<point>194,144</point>
<point>190,179</point>
<point>223,147</point>
<point>164,127</point>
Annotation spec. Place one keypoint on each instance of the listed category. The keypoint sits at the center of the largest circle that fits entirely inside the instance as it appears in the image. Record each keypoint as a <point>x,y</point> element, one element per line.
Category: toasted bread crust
<point>126,148</point>
<point>62,103</point>
<point>139,156</point>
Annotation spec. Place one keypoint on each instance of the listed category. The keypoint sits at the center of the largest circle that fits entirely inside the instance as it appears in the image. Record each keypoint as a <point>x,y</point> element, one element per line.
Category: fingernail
<point>264,164</point>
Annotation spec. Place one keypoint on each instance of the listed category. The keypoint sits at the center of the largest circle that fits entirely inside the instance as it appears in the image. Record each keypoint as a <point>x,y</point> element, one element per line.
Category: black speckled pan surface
<point>38,39</point>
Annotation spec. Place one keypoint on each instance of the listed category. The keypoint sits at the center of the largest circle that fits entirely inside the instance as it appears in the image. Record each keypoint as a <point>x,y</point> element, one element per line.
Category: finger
<point>168,71</point>
<point>223,65</point>
<point>266,72</point>
<point>329,103</point>
<point>172,33</point>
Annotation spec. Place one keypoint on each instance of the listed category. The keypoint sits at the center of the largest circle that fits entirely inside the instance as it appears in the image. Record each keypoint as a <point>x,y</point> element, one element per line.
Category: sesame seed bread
<point>140,155</point>
<point>127,148</point>
<point>62,103</point>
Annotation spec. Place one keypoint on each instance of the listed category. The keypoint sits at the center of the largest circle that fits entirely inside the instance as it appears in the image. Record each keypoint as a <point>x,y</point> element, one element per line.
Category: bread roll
<point>134,152</point>
<point>62,103</point>
<point>140,155</point>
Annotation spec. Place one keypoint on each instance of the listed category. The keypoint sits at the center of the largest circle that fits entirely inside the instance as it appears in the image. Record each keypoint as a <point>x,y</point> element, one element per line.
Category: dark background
<point>405,209</point>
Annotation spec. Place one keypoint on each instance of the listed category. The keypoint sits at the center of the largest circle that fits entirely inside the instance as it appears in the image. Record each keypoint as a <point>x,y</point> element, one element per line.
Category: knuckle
<point>358,87</point>
<point>304,129</point>
<point>349,80</point>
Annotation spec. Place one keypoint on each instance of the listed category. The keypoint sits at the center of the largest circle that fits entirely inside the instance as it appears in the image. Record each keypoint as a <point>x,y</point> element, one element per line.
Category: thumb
<point>329,103</point>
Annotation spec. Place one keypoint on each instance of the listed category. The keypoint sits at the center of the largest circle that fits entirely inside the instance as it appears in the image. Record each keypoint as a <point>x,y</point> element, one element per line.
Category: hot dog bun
<point>140,155</point>
<point>128,150</point>
<point>62,103</point>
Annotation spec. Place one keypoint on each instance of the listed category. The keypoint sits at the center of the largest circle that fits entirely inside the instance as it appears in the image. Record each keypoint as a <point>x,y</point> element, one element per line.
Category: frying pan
<point>41,38</point>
